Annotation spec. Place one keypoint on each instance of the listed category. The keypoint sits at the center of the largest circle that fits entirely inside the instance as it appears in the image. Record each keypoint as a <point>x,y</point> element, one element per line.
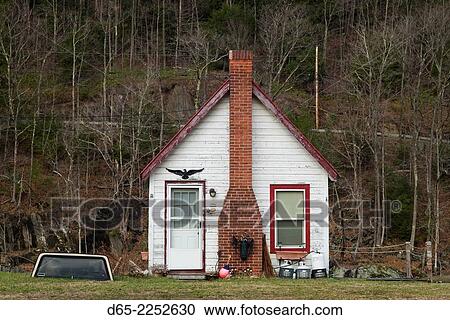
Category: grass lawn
<point>22,286</point>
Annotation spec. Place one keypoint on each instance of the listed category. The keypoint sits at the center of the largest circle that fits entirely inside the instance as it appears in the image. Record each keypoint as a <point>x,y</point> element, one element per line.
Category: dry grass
<point>21,286</point>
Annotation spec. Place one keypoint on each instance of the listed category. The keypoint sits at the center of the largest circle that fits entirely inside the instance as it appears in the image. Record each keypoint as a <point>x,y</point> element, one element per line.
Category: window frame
<point>273,233</point>
<point>197,215</point>
<point>42,257</point>
<point>200,218</point>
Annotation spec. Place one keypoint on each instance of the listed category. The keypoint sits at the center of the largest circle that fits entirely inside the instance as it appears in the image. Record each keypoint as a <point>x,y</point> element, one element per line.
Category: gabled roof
<point>210,103</point>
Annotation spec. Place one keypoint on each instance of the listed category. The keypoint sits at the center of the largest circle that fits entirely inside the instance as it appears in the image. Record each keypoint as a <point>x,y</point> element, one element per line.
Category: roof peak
<point>211,102</point>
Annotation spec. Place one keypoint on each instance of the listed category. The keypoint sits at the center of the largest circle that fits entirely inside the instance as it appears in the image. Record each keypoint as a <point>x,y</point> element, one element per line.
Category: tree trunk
<point>415,187</point>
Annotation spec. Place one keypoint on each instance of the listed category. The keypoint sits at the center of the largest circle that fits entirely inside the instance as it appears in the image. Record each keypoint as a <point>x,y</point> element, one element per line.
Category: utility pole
<point>408,260</point>
<point>316,75</point>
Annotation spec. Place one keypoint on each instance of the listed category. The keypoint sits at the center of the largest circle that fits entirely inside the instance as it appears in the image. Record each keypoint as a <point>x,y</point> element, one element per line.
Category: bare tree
<point>283,28</point>
<point>132,31</point>
<point>414,60</point>
<point>373,55</point>
<point>352,147</point>
<point>436,26</point>
<point>79,30</point>
<point>329,10</point>
<point>179,25</point>
<point>15,41</point>
<point>202,52</point>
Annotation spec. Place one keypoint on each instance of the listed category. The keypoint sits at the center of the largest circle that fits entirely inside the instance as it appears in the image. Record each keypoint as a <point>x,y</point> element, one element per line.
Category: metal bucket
<point>319,273</point>
<point>303,272</point>
<point>287,272</point>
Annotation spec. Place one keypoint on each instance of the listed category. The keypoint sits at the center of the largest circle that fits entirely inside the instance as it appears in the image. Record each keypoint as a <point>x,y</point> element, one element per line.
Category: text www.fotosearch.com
<point>254,310</point>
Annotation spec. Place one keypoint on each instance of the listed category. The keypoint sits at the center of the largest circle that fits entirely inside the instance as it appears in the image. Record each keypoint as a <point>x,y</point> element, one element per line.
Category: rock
<point>338,272</point>
<point>10,269</point>
<point>39,232</point>
<point>115,243</point>
<point>350,273</point>
<point>179,101</point>
<point>27,236</point>
<point>376,271</point>
<point>365,272</point>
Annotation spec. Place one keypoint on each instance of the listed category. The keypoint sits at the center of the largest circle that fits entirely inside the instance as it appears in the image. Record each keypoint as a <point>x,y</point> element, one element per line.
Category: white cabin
<point>287,171</point>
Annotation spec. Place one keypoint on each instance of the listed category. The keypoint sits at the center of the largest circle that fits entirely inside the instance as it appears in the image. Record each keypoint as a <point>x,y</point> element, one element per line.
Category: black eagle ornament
<point>184,174</point>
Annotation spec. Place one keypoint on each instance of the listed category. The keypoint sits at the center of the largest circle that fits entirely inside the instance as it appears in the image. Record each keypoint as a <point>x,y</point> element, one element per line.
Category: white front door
<point>184,234</point>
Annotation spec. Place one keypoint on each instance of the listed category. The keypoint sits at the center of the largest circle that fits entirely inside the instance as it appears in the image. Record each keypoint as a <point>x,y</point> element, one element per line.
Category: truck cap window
<point>73,267</point>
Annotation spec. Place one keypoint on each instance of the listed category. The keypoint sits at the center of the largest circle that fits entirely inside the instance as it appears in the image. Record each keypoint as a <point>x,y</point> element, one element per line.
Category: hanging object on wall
<point>243,245</point>
<point>185,174</point>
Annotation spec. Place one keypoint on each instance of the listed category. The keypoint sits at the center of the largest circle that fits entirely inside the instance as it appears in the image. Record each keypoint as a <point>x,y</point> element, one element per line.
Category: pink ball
<point>224,273</point>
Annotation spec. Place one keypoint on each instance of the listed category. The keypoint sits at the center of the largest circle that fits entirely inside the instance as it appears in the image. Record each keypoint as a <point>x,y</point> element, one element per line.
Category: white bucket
<point>317,261</point>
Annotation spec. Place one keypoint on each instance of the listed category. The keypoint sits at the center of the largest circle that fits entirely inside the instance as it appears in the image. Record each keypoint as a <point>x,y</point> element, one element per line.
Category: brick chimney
<point>240,216</point>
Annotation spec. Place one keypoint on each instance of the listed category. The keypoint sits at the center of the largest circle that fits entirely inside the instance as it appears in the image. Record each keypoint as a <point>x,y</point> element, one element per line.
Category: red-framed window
<point>289,217</point>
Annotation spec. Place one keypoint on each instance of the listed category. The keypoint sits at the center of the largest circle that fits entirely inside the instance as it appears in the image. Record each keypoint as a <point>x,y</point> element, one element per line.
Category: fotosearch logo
<point>98,213</point>
<point>109,214</point>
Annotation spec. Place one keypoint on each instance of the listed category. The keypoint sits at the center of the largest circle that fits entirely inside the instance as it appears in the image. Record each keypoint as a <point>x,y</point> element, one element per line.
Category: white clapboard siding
<point>206,146</point>
<point>278,158</point>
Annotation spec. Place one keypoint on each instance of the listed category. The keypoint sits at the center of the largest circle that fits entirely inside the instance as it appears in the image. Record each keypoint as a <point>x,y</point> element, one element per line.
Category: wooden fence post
<point>429,261</point>
<point>408,260</point>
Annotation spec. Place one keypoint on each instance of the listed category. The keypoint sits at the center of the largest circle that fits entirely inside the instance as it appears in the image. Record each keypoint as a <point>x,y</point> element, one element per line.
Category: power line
<point>88,117</point>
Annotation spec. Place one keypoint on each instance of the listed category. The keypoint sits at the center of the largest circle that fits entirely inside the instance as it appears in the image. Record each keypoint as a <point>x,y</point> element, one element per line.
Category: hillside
<point>91,90</point>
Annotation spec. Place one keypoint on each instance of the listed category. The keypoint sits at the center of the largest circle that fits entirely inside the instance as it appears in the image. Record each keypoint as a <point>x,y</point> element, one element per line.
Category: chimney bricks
<point>240,215</point>
<point>241,77</point>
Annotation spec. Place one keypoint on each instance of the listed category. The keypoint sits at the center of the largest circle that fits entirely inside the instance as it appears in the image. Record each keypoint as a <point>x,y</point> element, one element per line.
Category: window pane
<point>176,211</point>
<point>184,224</point>
<point>184,203</point>
<point>289,233</point>
<point>290,204</point>
<point>177,204</point>
<point>192,197</point>
<point>91,268</point>
<point>185,196</point>
<point>186,210</point>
